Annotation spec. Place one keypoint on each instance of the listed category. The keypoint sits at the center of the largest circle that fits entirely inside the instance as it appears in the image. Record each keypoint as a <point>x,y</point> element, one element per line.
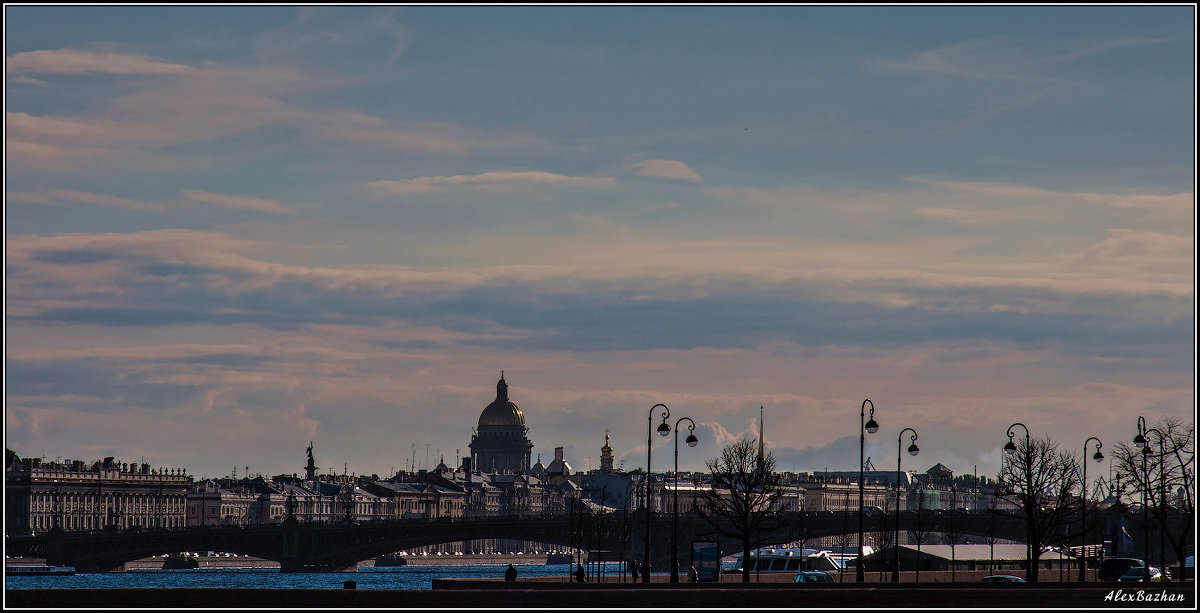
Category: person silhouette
<point>579,577</point>
<point>510,574</point>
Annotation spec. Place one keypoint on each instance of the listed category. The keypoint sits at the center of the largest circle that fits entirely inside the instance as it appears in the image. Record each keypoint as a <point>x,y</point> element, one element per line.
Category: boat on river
<point>390,559</point>
<point>180,561</point>
<point>785,560</point>
<point>29,570</point>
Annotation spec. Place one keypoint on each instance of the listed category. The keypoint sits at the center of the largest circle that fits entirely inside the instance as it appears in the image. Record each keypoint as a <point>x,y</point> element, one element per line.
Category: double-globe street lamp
<point>1144,445</point>
<point>1099,457</point>
<point>872,427</point>
<point>663,430</point>
<point>691,442</point>
<point>912,450</point>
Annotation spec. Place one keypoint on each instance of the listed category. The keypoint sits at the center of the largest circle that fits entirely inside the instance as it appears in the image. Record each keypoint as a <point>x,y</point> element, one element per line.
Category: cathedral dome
<point>502,412</point>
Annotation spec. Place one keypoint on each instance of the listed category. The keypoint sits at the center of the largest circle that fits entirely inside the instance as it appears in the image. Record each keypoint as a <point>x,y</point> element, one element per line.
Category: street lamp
<point>1143,444</point>
<point>1011,448</point>
<point>912,450</point>
<point>872,427</point>
<point>1099,457</point>
<point>663,430</point>
<point>691,441</point>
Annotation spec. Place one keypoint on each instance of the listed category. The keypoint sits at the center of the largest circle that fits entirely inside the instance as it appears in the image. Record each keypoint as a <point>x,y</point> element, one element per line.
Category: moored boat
<point>785,560</point>
<point>178,561</point>
<point>26,570</point>
<point>391,559</point>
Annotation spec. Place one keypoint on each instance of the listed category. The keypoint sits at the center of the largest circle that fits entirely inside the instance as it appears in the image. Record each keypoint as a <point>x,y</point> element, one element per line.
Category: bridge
<point>320,547</point>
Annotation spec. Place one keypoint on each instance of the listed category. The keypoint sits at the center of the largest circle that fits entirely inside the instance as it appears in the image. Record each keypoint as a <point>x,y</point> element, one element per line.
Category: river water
<point>367,578</point>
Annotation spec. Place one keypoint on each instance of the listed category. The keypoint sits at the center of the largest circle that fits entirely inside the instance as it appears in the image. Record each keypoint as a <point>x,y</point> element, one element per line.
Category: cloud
<point>72,61</point>
<point>251,203</point>
<point>487,180</point>
<point>334,39</point>
<point>60,196</point>
<point>374,133</point>
<point>212,102</point>
<point>666,169</point>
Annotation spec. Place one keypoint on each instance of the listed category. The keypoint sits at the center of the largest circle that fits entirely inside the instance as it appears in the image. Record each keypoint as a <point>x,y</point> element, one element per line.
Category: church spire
<point>761,456</point>
<point>502,389</point>
<point>606,455</point>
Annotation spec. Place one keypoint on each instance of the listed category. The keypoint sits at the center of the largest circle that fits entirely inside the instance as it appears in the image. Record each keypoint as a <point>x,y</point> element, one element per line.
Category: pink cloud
<point>487,180</point>
<point>251,203</point>
<point>666,169</point>
<point>71,61</point>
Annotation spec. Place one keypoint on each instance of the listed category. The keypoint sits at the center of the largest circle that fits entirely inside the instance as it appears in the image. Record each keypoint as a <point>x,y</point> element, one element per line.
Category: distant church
<point>501,442</point>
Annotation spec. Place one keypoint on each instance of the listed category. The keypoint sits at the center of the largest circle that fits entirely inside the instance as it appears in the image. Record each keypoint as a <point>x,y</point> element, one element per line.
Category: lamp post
<point>663,430</point>
<point>691,442</point>
<point>912,450</point>
<point>1009,448</point>
<point>1099,457</point>
<point>1144,445</point>
<point>872,427</point>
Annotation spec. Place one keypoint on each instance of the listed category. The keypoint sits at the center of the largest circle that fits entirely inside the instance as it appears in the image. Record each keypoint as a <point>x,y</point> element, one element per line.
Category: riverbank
<point>469,560</point>
<point>500,594</point>
<point>231,561</point>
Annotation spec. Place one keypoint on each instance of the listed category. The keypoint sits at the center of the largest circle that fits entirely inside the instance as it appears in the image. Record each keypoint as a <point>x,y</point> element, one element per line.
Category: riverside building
<point>75,496</point>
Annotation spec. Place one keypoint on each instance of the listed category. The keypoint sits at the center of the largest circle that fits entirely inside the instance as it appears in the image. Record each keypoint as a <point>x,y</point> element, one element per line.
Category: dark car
<point>1111,569</point>
<point>1002,579</point>
<point>813,576</point>
<point>1138,573</point>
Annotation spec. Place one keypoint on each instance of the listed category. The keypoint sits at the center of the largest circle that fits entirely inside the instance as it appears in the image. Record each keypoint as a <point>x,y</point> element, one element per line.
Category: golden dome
<point>501,412</point>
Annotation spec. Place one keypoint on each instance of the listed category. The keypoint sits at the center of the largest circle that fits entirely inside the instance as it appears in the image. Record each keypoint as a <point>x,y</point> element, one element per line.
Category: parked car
<point>1111,569</point>
<point>1138,573</point>
<point>1002,579</point>
<point>813,576</point>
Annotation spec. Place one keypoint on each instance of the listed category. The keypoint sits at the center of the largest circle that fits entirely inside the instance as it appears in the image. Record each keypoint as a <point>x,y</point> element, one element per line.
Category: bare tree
<point>952,530</point>
<point>1169,481</point>
<point>922,527</point>
<point>991,535</point>
<point>885,530</point>
<point>1040,481</point>
<point>625,533</point>
<point>745,490</point>
<point>844,536</point>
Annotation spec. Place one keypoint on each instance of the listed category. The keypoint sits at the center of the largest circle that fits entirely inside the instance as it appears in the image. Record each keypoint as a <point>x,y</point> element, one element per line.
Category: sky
<point>233,231</point>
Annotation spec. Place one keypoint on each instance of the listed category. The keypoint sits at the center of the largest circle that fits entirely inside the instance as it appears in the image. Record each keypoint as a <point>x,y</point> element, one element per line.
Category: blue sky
<point>231,231</point>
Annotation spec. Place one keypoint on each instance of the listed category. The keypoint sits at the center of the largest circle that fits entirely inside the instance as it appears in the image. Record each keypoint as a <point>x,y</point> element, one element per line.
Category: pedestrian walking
<point>510,574</point>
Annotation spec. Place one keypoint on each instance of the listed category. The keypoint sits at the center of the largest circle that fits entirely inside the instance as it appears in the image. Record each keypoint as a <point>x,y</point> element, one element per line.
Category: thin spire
<point>761,455</point>
<point>760,431</point>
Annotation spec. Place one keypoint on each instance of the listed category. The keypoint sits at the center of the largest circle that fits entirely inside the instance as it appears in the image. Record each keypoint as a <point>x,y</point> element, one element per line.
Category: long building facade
<point>75,496</point>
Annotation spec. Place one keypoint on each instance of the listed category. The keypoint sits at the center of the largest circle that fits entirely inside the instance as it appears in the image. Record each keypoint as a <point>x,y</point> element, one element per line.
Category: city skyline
<point>231,231</point>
